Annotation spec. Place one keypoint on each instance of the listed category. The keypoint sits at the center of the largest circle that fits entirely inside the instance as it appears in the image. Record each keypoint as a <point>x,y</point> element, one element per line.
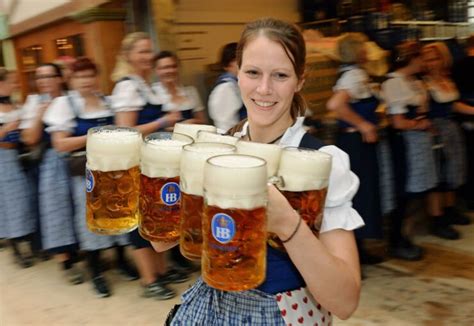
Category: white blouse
<point>132,94</point>
<point>11,116</point>
<point>343,183</point>
<point>61,116</point>
<point>189,93</point>
<point>400,92</point>
<point>355,81</point>
<point>441,95</point>
<point>224,105</point>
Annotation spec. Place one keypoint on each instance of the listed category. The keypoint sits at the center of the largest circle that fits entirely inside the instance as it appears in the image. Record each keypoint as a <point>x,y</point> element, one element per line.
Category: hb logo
<point>170,193</point>
<point>223,228</point>
<point>89,180</point>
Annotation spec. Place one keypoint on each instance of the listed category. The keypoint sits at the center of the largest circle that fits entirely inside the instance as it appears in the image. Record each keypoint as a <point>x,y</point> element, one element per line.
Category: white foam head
<point>192,164</point>
<point>269,152</point>
<point>304,169</point>
<point>192,130</point>
<point>161,154</point>
<point>113,148</point>
<point>211,137</point>
<point>235,181</point>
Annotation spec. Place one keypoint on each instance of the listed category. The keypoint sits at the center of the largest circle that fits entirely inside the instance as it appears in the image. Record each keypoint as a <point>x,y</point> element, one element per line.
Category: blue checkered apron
<point>55,203</point>
<point>15,218</point>
<point>87,239</point>
<point>203,305</point>
<point>386,177</point>
<point>452,166</point>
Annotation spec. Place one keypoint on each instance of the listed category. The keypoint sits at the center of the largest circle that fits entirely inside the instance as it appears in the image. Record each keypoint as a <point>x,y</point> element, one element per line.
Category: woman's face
<point>141,56</point>
<point>84,81</point>
<point>432,60</point>
<point>167,70</point>
<point>267,82</point>
<point>47,80</point>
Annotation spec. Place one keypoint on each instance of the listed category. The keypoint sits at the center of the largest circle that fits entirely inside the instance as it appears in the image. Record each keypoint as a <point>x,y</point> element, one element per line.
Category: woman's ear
<point>300,84</point>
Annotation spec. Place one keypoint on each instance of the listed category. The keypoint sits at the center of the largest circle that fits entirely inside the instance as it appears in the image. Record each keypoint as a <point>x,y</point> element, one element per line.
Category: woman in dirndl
<point>317,276</point>
<point>451,158</point>
<point>411,141</point>
<point>16,221</point>
<point>69,118</point>
<point>355,104</point>
<point>55,206</point>
<point>137,105</point>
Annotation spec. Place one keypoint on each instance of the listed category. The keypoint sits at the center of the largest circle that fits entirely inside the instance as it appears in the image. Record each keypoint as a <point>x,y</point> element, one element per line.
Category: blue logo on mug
<point>170,193</point>
<point>223,228</point>
<point>90,182</point>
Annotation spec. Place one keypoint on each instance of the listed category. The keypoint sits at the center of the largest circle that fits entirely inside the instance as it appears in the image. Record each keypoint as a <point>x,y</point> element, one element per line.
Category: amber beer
<point>305,178</point>
<point>269,152</point>
<point>192,202</point>
<point>204,136</point>
<point>234,225</point>
<point>192,130</point>
<point>112,179</point>
<point>160,193</point>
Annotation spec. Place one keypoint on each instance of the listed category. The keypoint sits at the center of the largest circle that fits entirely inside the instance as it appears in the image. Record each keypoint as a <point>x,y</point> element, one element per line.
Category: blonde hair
<point>350,47</point>
<point>443,51</point>
<point>122,66</point>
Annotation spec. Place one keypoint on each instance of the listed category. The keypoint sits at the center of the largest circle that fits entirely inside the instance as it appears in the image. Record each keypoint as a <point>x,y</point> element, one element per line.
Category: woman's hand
<point>281,217</point>
<point>368,131</point>
<point>172,117</point>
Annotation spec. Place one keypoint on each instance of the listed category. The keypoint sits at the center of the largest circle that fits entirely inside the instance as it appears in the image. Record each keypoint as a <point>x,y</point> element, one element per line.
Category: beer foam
<point>160,158</point>
<point>304,169</point>
<point>235,181</point>
<point>269,152</point>
<point>192,130</point>
<point>209,137</point>
<point>113,148</point>
<point>192,164</point>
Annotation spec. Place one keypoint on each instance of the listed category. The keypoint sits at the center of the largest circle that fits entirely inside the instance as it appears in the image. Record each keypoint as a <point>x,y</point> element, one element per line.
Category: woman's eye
<point>280,76</point>
<point>251,73</point>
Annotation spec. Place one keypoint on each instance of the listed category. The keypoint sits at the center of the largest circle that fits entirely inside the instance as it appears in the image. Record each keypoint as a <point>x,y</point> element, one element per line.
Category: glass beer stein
<point>269,152</point>
<point>160,194</point>
<point>112,179</point>
<point>304,175</point>
<point>192,169</point>
<point>211,137</point>
<point>234,224</point>
<point>192,130</point>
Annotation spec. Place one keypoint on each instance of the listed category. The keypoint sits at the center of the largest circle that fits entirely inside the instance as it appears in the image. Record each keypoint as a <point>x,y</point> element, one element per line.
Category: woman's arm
<point>7,127</point>
<point>339,103</point>
<point>163,246</point>
<point>129,119</point>
<point>32,135</point>
<point>463,108</point>
<point>330,267</point>
<point>399,122</point>
<point>63,142</point>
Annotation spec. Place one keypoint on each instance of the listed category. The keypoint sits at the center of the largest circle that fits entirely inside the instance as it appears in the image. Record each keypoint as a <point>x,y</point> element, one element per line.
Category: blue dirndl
<point>203,305</point>
<point>15,218</point>
<point>55,202</point>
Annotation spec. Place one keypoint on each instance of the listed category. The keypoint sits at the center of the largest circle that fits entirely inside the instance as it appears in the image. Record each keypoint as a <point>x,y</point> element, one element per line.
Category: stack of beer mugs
<point>196,186</point>
<point>112,179</point>
<point>160,192</point>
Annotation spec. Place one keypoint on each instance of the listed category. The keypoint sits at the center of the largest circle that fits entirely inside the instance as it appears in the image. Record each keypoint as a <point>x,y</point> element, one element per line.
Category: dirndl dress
<point>16,219</point>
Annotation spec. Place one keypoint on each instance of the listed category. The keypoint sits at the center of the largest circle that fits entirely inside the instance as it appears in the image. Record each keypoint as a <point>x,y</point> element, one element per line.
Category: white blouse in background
<point>399,92</point>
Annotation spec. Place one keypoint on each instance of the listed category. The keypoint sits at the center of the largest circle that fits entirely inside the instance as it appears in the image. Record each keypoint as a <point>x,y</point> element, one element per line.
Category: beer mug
<point>304,177</point>
<point>192,170</point>
<point>112,179</point>
<point>192,130</point>
<point>205,136</point>
<point>159,180</point>
<point>269,152</point>
<point>234,224</point>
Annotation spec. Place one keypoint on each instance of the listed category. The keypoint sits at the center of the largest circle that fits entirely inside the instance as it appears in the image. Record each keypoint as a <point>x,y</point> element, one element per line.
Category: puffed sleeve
<point>59,116</point>
<point>29,110</point>
<point>355,82</point>
<point>395,95</point>
<point>126,97</point>
<point>343,185</point>
<point>194,95</point>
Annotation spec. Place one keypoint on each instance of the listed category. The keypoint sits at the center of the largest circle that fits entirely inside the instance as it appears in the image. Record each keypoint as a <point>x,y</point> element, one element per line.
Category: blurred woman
<point>450,161</point>
<point>69,118</point>
<point>137,105</point>
<point>54,196</point>
<point>411,142</point>
<point>355,105</point>
<point>16,222</point>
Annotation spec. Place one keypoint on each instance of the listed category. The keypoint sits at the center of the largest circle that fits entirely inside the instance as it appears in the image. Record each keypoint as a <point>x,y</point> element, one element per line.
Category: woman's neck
<point>55,94</point>
<point>143,74</point>
<point>171,87</point>
<point>268,134</point>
